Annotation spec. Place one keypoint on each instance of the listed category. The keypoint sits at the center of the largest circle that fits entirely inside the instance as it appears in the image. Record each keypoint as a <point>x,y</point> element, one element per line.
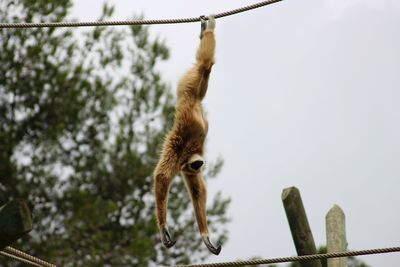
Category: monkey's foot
<point>210,246</point>
<point>166,238</point>
<point>211,22</point>
<point>203,25</point>
<point>207,25</point>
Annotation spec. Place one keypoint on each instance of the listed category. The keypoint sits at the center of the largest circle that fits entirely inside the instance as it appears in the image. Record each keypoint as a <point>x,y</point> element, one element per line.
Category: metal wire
<point>131,22</point>
<point>297,258</point>
<point>24,257</point>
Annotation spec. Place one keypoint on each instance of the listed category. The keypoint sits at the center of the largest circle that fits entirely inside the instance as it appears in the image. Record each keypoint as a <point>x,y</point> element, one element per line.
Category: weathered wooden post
<point>15,221</point>
<point>336,235</point>
<point>298,223</point>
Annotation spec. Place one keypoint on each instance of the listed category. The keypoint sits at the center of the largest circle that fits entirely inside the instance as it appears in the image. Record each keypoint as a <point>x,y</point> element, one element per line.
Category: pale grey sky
<point>303,93</point>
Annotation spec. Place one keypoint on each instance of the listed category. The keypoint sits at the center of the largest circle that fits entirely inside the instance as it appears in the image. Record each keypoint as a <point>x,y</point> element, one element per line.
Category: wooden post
<point>298,223</point>
<point>15,221</point>
<point>336,235</point>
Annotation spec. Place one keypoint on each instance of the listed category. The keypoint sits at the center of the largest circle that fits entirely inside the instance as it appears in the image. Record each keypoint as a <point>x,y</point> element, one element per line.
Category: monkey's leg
<point>198,192</point>
<point>163,175</point>
<point>206,51</point>
<point>205,57</point>
<point>195,81</point>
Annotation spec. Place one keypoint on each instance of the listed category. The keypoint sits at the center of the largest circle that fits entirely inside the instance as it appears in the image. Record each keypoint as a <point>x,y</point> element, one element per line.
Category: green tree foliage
<point>82,118</point>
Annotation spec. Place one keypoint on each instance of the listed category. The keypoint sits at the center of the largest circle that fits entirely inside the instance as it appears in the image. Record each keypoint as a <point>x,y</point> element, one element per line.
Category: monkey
<point>183,146</point>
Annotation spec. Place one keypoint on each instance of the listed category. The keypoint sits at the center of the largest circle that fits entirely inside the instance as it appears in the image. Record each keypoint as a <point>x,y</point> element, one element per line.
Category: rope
<point>19,259</point>
<point>24,257</point>
<point>132,22</point>
<point>297,258</point>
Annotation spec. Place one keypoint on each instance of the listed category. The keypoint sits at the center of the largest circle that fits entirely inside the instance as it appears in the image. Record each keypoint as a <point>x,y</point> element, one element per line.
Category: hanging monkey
<point>183,146</point>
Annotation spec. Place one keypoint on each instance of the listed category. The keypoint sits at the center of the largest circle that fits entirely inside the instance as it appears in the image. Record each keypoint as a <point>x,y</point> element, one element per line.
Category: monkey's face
<point>195,164</point>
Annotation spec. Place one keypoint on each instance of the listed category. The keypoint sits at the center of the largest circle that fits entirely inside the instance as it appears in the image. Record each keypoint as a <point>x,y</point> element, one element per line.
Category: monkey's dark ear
<point>196,165</point>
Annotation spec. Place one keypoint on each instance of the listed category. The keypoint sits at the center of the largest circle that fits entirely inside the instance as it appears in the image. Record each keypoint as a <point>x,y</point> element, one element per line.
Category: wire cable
<point>131,22</point>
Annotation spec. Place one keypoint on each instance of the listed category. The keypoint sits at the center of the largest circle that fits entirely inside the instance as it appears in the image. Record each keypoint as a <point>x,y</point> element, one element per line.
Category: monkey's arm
<point>164,173</point>
<point>198,193</point>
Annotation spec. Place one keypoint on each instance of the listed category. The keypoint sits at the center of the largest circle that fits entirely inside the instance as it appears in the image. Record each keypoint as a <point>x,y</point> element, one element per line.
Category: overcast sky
<point>303,93</point>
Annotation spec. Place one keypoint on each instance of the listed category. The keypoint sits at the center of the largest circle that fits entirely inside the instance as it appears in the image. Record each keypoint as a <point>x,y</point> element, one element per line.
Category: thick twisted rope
<point>24,257</point>
<point>132,22</point>
<point>297,258</point>
<point>11,256</point>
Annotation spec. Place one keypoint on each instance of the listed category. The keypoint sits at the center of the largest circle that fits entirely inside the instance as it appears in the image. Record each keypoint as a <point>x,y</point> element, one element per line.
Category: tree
<point>82,117</point>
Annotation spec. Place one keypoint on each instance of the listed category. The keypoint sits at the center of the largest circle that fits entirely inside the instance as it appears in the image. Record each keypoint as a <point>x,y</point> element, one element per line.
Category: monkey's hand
<point>210,246</point>
<point>166,238</point>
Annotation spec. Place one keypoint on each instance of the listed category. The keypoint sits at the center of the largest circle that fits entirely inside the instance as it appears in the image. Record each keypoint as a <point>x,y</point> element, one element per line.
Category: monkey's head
<point>194,164</point>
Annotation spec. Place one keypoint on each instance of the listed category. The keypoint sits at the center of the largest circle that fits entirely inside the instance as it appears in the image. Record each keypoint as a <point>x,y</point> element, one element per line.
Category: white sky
<point>303,93</point>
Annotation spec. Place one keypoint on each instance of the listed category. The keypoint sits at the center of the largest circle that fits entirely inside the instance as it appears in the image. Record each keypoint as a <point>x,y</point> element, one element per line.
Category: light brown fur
<point>183,146</point>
